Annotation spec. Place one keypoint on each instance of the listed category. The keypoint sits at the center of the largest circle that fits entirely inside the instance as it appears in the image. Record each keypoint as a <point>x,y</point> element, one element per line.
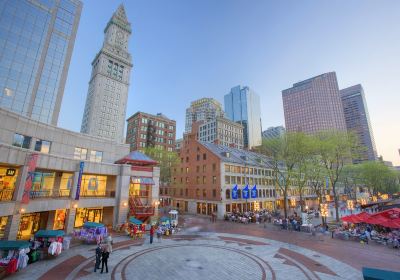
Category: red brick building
<point>147,130</point>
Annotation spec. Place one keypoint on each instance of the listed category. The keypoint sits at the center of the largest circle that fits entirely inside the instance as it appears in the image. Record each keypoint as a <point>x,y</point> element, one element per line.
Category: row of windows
<point>23,141</point>
<point>198,180</point>
<point>248,180</point>
<point>248,170</point>
<point>181,192</point>
<point>82,154</point>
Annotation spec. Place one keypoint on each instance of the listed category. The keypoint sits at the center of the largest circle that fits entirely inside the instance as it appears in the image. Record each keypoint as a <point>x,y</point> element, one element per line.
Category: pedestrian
<point>151,234</point>
<point>104,258</point>
<point>98,257</point>
<point>109,243</point>
<point>159,233</point>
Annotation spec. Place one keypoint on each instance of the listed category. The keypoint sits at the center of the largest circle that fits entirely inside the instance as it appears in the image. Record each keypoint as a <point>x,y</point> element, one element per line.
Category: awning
<point>142,180</point>
<point>49,233</point>
<point>92,225</point>
<point>135,221</point>
<point>12,244</point>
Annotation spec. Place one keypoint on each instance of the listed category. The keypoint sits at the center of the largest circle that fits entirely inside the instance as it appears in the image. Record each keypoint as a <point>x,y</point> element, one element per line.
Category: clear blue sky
<point>188,49</point>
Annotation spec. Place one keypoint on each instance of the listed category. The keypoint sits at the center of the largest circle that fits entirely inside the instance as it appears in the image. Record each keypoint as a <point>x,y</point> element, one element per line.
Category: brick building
<point>147,130</point>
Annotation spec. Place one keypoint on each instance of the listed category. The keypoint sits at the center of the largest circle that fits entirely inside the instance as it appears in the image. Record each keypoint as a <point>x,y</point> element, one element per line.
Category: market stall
<point>92,232</point>
<point>48,242</point>
<point>136,228</point>
<point>174,218</point>
<point>13,256</point>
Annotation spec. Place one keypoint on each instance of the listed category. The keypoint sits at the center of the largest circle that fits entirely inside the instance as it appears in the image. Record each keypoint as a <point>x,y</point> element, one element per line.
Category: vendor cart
<point>92,232</point>
<point>10,253</point>
<point>51,242</point>
<point>136,228</point>
<point>174,217</point>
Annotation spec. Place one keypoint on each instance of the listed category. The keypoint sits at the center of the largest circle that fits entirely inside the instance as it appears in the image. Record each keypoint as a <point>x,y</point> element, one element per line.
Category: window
<point>187,179</point>
<point>214,179</point>
<point>204,156</point>
<point>214,167</point>
<point>187,170</point>
<point>198,180</point>
<point>197,192</point>
<point>198,157</point>
<point>197,168</point>
<point>204,179</point>
<point>22,141</point>
<point>42,146</point>
<point>228,194</point>
<point>227,180</point>
<point>96,156</point>
<point>204,193</point>
<point>214,193</point>
<point>204,168</point>
<point>80,153</point>
<point>186,192</point>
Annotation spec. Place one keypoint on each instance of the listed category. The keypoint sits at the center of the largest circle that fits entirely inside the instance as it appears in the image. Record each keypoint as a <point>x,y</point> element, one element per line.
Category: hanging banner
<point>31,164</point>
<point>78,184</point>
<point>235,192</point>
<point>246,192</point>
<point>254,192</point>
<point>327,182</point>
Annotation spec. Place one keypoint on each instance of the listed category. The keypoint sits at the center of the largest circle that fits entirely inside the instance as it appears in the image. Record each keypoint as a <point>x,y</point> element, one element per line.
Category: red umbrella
<point>363,216</point>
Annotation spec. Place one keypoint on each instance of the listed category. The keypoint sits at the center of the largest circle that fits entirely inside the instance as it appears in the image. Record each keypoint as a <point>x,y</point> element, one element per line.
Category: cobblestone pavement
<point>205,251</point>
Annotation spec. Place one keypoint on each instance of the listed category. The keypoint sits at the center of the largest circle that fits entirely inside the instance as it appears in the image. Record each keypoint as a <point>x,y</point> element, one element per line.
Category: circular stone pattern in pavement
<point>194,261</point>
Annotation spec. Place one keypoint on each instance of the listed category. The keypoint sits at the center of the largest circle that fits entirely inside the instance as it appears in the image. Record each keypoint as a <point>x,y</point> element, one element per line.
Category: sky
<point>187,49</point>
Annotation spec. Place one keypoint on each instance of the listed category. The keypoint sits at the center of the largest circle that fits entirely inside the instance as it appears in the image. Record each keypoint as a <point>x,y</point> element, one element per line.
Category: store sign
<point>31,165</point>
<point>246,192</point>
<point>78,184</point>
<point>235,192</point>
<point>10,172</point>
<point>254,192</point>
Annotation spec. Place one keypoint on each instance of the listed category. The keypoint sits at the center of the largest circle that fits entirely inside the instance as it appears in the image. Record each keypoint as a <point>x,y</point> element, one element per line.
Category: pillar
<point>70,220</point>
<point>122,196</point>
<point>14,226</point>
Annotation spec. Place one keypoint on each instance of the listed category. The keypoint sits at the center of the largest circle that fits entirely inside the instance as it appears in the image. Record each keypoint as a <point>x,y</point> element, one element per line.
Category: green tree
<point>351,178</point>
<point>378,177</point>
<point>166,161</point>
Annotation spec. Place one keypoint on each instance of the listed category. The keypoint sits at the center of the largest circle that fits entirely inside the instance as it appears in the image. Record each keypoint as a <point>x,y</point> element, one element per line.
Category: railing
<point>49,193</point>
<point>6,195</point>
<point>87,193</point>
<point>141,193</point>
<point>143,210</point>
<point>142,168</point>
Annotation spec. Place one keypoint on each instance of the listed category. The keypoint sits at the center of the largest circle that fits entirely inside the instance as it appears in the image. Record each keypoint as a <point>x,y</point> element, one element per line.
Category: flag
<point>254,192</point>
<point>246,192</point>
<point>235,192</point>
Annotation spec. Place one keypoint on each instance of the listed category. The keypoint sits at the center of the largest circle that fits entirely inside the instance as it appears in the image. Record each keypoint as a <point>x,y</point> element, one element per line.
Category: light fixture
<point>22,210</point>
<point>125,204</point>
<point>75,205</point>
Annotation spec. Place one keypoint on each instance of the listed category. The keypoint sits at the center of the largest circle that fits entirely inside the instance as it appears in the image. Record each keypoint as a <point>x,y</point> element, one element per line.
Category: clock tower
<point>106,101</point>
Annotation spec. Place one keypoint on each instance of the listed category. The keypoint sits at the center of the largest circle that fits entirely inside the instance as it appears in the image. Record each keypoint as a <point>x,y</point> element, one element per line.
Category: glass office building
<point>36,43</point>
<point>242,105</point>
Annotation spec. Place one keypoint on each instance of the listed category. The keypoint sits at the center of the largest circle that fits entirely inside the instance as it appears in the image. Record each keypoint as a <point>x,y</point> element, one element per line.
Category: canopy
<point>165,219</point>
<point>356,218</point>
<point>92,225</point>
<point>135,221</point>
<point>49,233</point>
<point>12,244</point>
<point>388,218</point>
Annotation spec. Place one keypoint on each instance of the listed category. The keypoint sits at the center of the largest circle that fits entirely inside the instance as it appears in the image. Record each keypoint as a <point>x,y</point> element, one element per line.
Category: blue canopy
<point>12,244</point>
<point>49,233</point>
<point>135,221</point>
<point>165,219</point>
<point>92,225</point>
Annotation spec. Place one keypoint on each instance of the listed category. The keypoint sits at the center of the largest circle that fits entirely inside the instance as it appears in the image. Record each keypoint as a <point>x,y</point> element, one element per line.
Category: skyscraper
<point>357,120</point>
<point>273,132</point>
<point>107,96</point>
<point>204,109</point>
<point>36,43</point>
<point>242,105</point>
<point>314,105</point>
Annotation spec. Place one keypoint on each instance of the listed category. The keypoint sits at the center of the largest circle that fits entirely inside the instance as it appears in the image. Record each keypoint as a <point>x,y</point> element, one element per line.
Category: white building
<point>223,132</point>
<point>106,102</point>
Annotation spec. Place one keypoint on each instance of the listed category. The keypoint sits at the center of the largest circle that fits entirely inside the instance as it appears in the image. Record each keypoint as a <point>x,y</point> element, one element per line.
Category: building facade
<point>52,178</point>
<point>107,97</point>
<point>273,132</point>
<point>242,105</point>
<point>147,130</point>
<point>314,105</point>
<point>36,43</point>
<point>223,132</point>
<point>204,109</point>
<point>357,120</point>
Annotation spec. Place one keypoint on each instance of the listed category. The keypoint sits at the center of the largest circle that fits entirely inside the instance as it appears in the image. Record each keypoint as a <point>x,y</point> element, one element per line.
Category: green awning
<point>12,244</point>
<point>135,221</point>
<point>165,219</point>
<point>49,233</point>
<point>92,225</point>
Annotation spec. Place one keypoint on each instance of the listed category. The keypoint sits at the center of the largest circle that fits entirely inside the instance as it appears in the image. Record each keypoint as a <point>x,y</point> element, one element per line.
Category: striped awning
<point>142,180</point>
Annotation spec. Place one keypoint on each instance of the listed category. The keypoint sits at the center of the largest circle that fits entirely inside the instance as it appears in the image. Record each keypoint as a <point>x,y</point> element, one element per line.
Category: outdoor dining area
<point>382,227</point>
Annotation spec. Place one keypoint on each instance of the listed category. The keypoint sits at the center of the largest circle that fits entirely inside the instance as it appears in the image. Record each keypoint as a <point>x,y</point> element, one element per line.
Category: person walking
<point>159,233</point>
<point>104,259</point>
<point>98,257</point>
<point>151,234</point>
<point>109,243</point>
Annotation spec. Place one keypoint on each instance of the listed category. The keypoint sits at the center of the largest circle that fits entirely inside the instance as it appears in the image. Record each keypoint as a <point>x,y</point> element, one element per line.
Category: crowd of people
<point>258,216</point>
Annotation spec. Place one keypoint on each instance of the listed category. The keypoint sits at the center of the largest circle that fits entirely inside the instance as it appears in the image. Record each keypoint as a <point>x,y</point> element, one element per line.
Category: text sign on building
<point>254,192</point>
<point>246,192</point>
<point>31,164</point>
<point>78,184</point>
<point>235,192</point>
<point>10,172</point>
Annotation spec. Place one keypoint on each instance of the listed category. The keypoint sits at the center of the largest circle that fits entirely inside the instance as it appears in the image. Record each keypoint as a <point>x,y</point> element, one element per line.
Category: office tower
<point>107,96</point>
<point>36,43</point>
<point>147,130</point>
<point>357,120</point>
<point>273,132</point>
<point>204,109</point>
<point>223,132</point>
<point>314,105</point>
<point>242,105</point>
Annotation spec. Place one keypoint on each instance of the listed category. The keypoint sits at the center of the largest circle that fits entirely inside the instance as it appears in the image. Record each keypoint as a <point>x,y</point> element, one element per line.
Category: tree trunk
<point>301,201</point>
<point>285,204</point>
<point>335,199</point>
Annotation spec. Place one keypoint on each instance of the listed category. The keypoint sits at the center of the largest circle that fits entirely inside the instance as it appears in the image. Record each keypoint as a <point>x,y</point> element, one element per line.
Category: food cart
<point>174,217</point>
<point>136,227</point>
<point>50,243</point>
<point>10,253</point>
<point>92,232</point>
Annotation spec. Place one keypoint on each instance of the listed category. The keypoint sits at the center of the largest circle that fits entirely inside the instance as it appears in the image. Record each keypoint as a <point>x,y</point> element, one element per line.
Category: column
<point>13,226</point>
<point>70,220</point>
<point>122,196</point>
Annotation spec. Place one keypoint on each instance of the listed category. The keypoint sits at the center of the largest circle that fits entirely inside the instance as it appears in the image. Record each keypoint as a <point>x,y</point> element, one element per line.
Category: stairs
<point>137,209</point>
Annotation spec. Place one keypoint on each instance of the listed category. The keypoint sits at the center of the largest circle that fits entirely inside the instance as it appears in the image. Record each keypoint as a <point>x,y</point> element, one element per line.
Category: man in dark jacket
<point>104,259</point>
<point>98,257</point>
<point>151,234</point>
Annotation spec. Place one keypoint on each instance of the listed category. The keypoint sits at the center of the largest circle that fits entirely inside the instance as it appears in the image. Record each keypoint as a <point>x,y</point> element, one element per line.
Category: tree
<point>283,160</point>
<point>351,178</point>
<point>378,177</point>
<point>166,161</point>
<point>336,148</point>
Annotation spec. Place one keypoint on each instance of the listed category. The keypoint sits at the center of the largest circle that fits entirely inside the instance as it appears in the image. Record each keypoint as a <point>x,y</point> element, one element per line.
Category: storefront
<point>93,185</point>
<point>204,208</point>
<point>59,219</point>
<point>3,226</point>
<point>88,215</point>
<point>31,223</point>
<point>42,183</point>
<point>8,179</point>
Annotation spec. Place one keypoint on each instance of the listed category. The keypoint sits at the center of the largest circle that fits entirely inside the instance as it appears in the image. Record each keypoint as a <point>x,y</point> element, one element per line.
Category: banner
<point>78,184</point>
<point>246,192</point>
<point>254,192</point>
<point>31,164</point>
<point>235,192</point>
<point>327,182</point>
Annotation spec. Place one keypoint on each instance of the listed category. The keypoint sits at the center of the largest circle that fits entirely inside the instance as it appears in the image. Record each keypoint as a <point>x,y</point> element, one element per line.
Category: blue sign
<point>78,184</point>
<point>235,192</point>
<point>254,192</point>
<point>327,183</point>
<point>246,192</point>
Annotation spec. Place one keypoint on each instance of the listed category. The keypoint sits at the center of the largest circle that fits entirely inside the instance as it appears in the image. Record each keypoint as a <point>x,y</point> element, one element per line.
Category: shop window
<point>228,208</point>
<point>42,146</point>
<point>88,215</point>
<point>42,184</point>
<point>67,180</point>
<point>31,223</point>
<point>80,153</point>
<point>3,225</point>
<point>93,185</point>
<point>59,219</point>
<point>8,178</point>
<point>96,156</point>
<point>22,141</point>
